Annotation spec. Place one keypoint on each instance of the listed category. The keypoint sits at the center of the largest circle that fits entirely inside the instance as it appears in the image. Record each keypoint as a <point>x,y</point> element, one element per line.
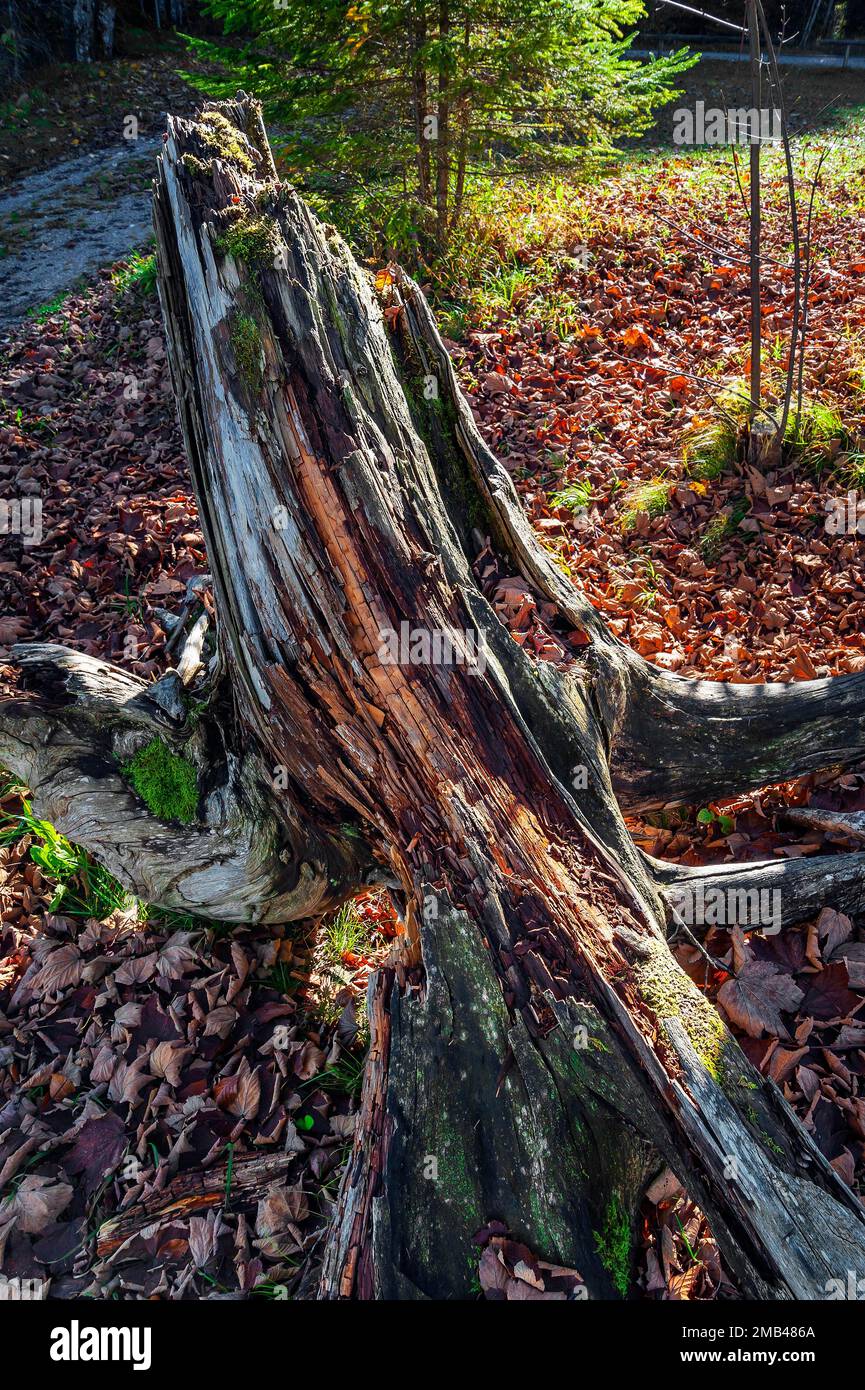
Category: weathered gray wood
<point>678,740</point>
<point>243,859</point>
<point>841,823</point>
<point>764,1191</point>
<point>790,890</point>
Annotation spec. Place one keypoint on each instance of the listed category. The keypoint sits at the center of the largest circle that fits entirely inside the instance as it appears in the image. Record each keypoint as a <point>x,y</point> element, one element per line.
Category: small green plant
<point>726,824</point>
<point>46,311</point>
<point>38,427</point>
<point>166,782</point>
<point>851,469</point>
<point>710,444</point>
<point>345,934</point>
<point>574,496</point>
<point>453,321</point>
<point>817,436</point>
<point>246,344</point>
<point>687,1243</point>
<point>651,499</point>
<point>127,604</point>
<point>137,276</point>
<point>502,292</point>
<point>720,528</point>
<point>709,447</point>
<point>642,571</point>
<point>714,536</point>
<point>166,919</point>
<point>345,1076</point>
<point>279,979</point>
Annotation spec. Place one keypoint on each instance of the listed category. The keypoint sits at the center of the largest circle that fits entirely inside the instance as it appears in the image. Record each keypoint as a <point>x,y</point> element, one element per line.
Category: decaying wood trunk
<point>536,1051</point>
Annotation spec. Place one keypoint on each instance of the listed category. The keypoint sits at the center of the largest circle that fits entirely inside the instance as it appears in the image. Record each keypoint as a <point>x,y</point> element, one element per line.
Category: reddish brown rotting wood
<point>192,1192</point>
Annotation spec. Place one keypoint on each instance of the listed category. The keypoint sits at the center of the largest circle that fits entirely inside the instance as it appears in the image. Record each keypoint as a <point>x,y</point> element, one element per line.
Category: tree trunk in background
<point>83,31</point>
<point>443,134</point>
<point>420,110</point>
<point>536,1051</point>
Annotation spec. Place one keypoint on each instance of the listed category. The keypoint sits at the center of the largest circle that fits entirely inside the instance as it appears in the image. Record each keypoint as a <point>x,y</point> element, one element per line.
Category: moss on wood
<point>223,140</point>
<point>248,354</point>
<point>255,240</point>
<point>166,782</point>
<point>668,994</point>
<point>613,1243</point>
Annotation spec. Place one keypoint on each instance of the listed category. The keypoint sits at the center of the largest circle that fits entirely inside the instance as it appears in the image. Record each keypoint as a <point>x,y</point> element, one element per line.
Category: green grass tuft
<point>83,888</point>
<point>46,311</point>
<point>137,277</point>
<point>575,496</point>
<point>345,1076</point>
<point>345,934</point>
<point>818,435</point>
<point>651,498</point>
<point>166,782</point>
<point>709,448</point>
<point>720,528</point>
<point>851,469</point>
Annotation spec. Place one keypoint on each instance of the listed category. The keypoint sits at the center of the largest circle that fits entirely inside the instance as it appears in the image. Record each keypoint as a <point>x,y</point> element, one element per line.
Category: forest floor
<point>68,109</point>
<point>584,357</point>
<point>60,225</point>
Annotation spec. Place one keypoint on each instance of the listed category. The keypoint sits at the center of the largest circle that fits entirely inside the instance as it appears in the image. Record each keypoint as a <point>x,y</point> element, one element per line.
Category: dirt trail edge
<point>71,220</point>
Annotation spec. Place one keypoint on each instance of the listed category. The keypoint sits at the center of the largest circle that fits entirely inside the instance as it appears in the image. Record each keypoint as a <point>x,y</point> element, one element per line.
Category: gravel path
<point>70,220</point>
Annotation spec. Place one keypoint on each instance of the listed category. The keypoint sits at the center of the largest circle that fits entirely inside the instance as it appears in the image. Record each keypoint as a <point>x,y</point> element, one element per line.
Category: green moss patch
<point>166,782</point>
<point>613,1243</point>
<point>668,993</point>
<point>254,240</point>
<point>223,141</point>
<point>198,168</point>
<point>246,345</point>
